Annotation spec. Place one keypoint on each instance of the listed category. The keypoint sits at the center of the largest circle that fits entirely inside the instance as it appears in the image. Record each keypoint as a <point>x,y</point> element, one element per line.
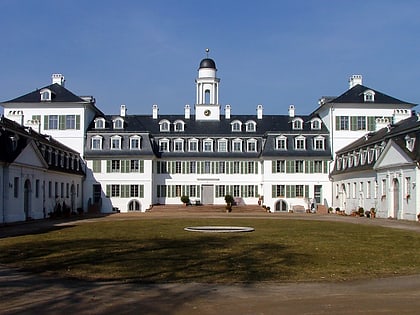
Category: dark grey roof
<point>266,130</point>
<point>59,94</point>
<point>207,63</point>
<point>24,136</point>
<point>396,132</point>
<point>355,95</point>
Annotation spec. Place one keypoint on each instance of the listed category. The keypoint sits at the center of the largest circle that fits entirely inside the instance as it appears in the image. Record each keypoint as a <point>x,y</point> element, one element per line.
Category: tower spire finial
<point>207,52</point>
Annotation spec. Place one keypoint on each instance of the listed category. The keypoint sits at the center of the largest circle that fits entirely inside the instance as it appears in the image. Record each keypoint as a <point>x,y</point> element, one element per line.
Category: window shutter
<point>353,123</point>
<point>337,122</point>
<point>326,167</point>
<point>62,122</point>
<point>141,166</point>
<point>306,191</point>
<point>273,191</point>
<point>78,122</point>
<point>288,191</point>
<point>45,122</point>
<point>108,190</point>
<point>371,123</point>
<point>141,191</point>
<point>108,166</point>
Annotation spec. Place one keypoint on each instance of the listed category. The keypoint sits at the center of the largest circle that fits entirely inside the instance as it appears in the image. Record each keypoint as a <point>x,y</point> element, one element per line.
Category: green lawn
<point>159,250</point>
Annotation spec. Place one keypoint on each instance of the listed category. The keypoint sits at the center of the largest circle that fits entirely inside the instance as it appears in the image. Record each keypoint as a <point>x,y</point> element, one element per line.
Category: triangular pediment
<point>30,156</point>
<point>392,156</point>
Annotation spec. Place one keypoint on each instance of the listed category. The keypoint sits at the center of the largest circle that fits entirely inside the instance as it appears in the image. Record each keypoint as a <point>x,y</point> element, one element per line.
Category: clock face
<point>207,112</point>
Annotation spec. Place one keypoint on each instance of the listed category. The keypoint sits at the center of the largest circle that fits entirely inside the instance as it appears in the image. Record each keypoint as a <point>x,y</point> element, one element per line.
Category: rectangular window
<point>221,167</point>
<point>178,167</point>
<point>300,144</point>
<point>193,167</point>
<point>16,187</point>
<point>342,123</point>
<point>407,187</point>
<point>237,146</point>
<point>96,143</point>
<point>299,168</point>
<point>281,144</point>
<point>207,167</point>
<point>354,190</point>
<point>134,190</point>
<point>115,143</point>
<point>56,189</point>
<point>319,144</point>
<point>115,166</point>
<point>383,188</point>
<point>252,146</point>
<point>52,122</point>
<point>70,121</point>
<point>36,118</point>
<point>134,143</point>
<point>62,190</point>
<point>299,190</point>
<point>222,146</point>
<point>67,190</point>
<point>279,191</point>
<point>220,190</point>
<point>115,190</point>
<point>368,189</point>
<point>236,191</point>
<point>318,166</point>
<point>208,146</point>
<point>236,167</point>
<point>178,146</point>
<point>96,166</point>
<point>279,166</point>
<point>193,146</point>
<point>163,146</point>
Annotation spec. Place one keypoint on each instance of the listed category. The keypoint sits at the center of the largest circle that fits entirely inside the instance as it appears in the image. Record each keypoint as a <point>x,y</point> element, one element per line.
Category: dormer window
<point>316,124</point>
<point>251,145</point>
<point>179,125</point>
<point>222,145</point>
<point>319,143</point>
<point>135,143</point>
<point>297,124</point>
<point>236,126</point>
<point>45,95</point>
<point>300,143</point>
<point>115,143</point>
<point>237,145</point>
<point>281,143</point>
<point>250,126</point>
<point>163,145</point>
<point>207,145</point>
<point>164,125</point>
<point>369,96</point>
<point>409,143</point>
<point>96,143</point>
<point>118,123</point>
<point>193,145</point>
<point>178,145</point>
<point>99,123</point>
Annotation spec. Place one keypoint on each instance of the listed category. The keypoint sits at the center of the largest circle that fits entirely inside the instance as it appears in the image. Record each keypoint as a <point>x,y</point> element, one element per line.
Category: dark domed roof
<point>207,63</point>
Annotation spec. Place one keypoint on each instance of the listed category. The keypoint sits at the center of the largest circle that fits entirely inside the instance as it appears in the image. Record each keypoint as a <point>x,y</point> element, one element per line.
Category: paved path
<point>25,293</point>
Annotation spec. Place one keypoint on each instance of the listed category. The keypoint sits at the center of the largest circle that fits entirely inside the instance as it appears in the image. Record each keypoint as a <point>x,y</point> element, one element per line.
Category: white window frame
<point>164,125</point>
<point>235,143</point>
<point>164,142</point>
<point>369,96</point>
<point>298,140</point>
<point>96,139</point>
<point>208,145</point>
<point>118,142</point>
<point>236,126</point>
<point>250,126</point>
<point>319,143</point>
<point>99,123</point>
<point>316,124</point>
<point>297,124</point>
<point>179,145</point>
<point>249,143</point>
<point>118,123</point>
<point>135,147</point>
<point>179,126</point>
<point>219,145</point>
<point>45,95</point>
<point>190,142</point>
<point>281,143</point>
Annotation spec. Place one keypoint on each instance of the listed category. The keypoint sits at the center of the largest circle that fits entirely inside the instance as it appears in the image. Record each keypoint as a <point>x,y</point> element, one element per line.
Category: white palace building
<point>359,149</point>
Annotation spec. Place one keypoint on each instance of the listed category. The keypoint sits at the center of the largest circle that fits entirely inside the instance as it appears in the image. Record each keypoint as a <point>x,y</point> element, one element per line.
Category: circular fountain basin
<point>219,229</point>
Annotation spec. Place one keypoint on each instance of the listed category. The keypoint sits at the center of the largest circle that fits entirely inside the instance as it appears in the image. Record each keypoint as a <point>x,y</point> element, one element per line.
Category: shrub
<point>185,199</point>
<point>229,199</point>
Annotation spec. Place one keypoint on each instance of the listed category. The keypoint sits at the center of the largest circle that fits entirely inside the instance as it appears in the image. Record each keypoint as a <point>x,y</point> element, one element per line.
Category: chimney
<point>292,111</point>
<point>400,114</point>
<point>259,112</point>
<point>58,78</point>
<point>187,110</point>
<point>155,110</point>
<point>381,123</point>
<point>123,110</point>
<point>354,80</point>
<point>227,112</point>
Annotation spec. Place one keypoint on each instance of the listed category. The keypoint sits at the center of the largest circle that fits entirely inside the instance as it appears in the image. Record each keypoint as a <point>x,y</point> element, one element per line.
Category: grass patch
<point>159,250</point>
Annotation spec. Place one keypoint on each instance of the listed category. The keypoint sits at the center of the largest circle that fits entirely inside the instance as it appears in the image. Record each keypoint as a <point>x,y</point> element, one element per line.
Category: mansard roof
<point>377,140</point>
<point>23,137</point>
<point>356,95</point>
<point>59,94</point>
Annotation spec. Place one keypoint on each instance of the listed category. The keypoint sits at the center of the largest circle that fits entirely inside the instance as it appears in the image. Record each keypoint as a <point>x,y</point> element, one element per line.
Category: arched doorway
<point>134,205</point>
<point>396,197</point>
<point>281,205</point>
<point>27,192</point>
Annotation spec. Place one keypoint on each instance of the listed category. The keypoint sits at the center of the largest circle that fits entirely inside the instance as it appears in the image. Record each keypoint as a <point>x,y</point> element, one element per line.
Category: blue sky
<point>273,53</point>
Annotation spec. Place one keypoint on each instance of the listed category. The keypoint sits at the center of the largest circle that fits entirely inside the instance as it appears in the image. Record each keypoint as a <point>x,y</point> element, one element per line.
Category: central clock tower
<point>207,91</point>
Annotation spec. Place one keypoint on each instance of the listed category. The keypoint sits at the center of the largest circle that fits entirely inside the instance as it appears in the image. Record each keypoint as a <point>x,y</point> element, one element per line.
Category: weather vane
<point>207,52</point>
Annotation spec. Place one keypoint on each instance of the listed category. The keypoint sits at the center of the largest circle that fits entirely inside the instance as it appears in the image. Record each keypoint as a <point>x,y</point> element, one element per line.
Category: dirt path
<point>25,293</point>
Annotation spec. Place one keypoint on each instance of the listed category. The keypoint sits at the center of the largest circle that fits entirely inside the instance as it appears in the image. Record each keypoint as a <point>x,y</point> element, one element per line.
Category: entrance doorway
<point>281,205</point>
<point>207,194</point>
<point>396,196</point>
